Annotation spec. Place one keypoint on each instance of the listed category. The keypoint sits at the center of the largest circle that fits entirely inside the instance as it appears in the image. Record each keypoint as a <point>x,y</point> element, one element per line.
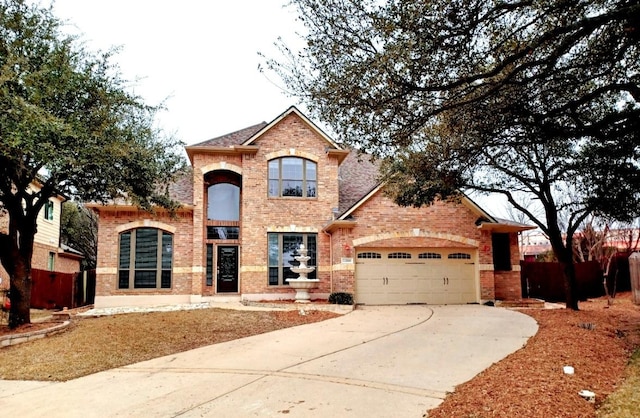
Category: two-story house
<point>255,195</point>
<point>48,252</point>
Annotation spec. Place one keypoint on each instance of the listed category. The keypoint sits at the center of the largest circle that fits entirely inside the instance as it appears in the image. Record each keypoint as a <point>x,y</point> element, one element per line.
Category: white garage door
<point>400,276</point>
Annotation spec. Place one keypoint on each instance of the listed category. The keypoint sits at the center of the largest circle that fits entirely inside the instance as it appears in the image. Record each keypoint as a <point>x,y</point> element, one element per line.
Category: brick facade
<point>374,222</point>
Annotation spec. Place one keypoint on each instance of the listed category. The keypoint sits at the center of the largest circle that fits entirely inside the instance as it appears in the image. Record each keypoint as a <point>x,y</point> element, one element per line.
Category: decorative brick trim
<point>293,228</point>
<point>412,233</point>
<point>222,165</point>
<point>343,267</point>
<point>146,223</point>
<point>291,152</point>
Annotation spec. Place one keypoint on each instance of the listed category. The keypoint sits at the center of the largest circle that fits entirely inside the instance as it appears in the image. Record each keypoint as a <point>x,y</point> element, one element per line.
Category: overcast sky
<point>201,56</point>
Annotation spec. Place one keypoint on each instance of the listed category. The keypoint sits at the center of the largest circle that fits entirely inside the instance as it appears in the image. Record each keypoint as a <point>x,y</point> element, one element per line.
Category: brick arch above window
<point>291,152</point>
<point>222,165</point>
<point>146,223</point>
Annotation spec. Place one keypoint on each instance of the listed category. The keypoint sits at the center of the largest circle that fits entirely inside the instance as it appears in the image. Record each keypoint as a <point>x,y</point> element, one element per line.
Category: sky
<point>199,57</point>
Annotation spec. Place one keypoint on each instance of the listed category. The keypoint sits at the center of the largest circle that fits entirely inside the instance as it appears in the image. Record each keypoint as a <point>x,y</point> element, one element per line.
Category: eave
<point>504,227</point>
<point>99,207</point>
<point>339,224</point>
<point>230,150</point>
<point>340,154</point>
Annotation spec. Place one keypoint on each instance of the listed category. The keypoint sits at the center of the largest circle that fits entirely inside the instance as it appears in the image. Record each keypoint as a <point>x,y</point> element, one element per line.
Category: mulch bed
<point>596,341</point>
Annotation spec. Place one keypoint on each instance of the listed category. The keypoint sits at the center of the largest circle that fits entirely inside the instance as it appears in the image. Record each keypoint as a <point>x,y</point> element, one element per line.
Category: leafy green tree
<point>522,98</point>
<point>67,125</point>
<point>79,230</point>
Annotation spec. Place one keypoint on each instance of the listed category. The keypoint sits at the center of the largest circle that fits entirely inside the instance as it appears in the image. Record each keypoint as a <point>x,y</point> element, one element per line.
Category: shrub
<point>341,298</point>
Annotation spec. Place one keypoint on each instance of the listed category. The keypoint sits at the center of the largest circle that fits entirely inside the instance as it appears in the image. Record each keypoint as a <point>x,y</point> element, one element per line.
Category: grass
<point>625,401</point>
<point>96,344</point>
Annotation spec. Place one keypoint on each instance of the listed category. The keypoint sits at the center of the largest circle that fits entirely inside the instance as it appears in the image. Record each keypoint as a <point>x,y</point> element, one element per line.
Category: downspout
<point>330,260</point>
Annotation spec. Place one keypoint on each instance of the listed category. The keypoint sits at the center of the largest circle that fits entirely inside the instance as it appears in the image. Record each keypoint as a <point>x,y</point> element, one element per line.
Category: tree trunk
<point>20,293</point>
<point>17,262</point>
<point>570,282</point>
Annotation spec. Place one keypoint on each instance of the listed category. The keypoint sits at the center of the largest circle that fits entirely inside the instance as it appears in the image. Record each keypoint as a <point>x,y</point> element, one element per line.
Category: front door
<point>227,269</point>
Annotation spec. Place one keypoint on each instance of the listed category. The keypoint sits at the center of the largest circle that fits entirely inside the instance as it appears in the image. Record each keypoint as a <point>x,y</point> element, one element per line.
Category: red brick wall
<point>67,264</point>
<point>262,214</point>
<point>508,285</point>
<point>108,239</point>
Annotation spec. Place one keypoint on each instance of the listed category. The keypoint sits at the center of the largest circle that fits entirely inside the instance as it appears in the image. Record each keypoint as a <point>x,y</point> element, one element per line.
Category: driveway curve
<point>377,361</point>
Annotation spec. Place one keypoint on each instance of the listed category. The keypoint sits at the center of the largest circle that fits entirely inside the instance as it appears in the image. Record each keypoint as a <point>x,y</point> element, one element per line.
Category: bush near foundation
<point>341,298</point>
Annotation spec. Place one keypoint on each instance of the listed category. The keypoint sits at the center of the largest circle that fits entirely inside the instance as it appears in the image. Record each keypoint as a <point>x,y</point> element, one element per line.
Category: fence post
<point>634,273</point>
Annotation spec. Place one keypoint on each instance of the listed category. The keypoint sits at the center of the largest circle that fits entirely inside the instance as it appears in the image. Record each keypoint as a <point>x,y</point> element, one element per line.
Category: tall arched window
<point>292,177</point>
<point>223,202</point>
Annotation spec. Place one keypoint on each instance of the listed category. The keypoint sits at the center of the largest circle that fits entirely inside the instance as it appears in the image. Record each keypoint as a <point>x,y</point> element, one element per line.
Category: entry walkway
<point>376,361</point>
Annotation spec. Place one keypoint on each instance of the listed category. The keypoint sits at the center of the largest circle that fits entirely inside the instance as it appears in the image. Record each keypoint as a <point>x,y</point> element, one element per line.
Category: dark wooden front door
<point>227,269</point>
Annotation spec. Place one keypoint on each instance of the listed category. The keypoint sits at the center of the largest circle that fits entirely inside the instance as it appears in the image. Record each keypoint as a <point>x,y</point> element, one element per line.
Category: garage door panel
<point>419,279</point>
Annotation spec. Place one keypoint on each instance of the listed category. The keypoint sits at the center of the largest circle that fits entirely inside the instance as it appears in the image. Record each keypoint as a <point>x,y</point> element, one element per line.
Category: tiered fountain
<point>302,284</point>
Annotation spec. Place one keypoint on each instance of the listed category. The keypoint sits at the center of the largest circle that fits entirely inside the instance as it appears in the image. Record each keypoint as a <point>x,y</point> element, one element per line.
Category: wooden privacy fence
<point>546,281</point>
<point>51,290</point>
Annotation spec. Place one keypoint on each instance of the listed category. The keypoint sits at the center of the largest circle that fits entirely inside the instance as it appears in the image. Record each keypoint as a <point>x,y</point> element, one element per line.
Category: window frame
<point>51,261</point>
<point>281,274</point>
<point>48,210</point>
<point>304,180</point>
<point>128,266</point>
<point>501,249</point>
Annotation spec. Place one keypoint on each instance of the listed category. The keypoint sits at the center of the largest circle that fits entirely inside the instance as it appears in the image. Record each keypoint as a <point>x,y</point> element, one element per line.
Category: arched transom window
<point>292,177</point>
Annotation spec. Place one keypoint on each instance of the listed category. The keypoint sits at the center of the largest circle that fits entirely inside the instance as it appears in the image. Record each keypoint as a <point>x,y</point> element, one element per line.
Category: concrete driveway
<point>391,361</point>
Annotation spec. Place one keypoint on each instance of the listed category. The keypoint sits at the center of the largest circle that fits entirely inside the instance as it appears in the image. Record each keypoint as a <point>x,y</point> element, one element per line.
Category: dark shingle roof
<point>358,175</point>
<point>233,138</point>
<point>181,189</point>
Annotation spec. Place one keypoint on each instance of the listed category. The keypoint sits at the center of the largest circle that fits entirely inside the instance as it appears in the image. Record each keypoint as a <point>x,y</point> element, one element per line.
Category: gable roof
<point>358,176</point>
<point>243,141</point>
<point>292,110</point>
<point>233,138</point>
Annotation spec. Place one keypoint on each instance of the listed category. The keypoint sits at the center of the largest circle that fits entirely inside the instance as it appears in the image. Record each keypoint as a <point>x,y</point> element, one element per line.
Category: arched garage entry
<point>391,274</point>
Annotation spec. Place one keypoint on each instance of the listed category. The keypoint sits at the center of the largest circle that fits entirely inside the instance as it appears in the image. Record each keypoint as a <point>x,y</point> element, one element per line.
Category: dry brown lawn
<point>96,344</point>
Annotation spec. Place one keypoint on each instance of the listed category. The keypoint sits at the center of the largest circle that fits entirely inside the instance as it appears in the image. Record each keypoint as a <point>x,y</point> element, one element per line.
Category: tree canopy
<point>70,126</point>
<point>540,98</point>
<point>79,230</point>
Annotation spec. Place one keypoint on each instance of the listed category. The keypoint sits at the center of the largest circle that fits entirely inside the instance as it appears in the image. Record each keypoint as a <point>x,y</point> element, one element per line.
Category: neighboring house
<point>48,253</point>
<point>255,195</point>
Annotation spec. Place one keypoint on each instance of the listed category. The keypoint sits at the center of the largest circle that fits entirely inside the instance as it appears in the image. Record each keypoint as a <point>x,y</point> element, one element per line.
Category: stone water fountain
<point>302,284</point>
